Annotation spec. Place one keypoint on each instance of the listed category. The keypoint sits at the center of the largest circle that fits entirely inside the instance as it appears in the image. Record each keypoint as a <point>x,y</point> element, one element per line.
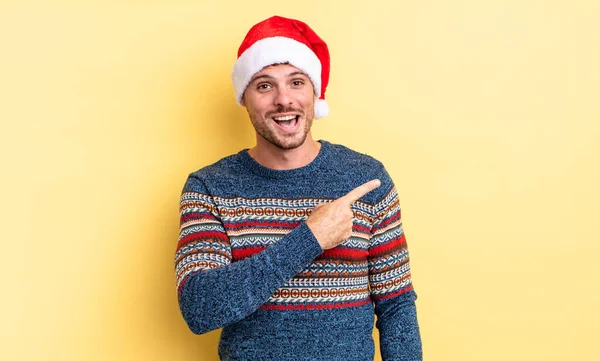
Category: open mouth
<point>288,122</point>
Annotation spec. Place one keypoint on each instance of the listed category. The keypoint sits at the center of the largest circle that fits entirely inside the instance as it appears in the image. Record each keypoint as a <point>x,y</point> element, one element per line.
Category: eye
<point>263,86</point>
<point>297,83</point>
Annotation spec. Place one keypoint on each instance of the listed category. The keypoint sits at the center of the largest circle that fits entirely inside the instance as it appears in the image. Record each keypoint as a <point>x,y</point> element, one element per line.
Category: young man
<point>294,245</point>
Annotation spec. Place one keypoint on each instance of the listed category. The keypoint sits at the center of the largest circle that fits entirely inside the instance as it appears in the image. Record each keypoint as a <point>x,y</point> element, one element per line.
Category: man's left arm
<point>390,282</point>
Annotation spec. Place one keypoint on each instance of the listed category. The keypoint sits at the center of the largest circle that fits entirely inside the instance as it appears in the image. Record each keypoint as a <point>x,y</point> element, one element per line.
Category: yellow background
<point>486,114</point>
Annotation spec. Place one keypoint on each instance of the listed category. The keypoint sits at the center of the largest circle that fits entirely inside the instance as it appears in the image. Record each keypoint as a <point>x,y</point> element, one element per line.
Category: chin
<point>289,144</point>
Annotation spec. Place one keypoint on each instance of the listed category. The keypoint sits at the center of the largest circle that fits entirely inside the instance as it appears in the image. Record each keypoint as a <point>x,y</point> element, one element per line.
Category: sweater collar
<point>308,170</point>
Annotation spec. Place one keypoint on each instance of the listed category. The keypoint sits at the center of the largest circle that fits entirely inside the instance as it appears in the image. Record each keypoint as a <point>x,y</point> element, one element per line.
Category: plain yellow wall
<point>486,114</point>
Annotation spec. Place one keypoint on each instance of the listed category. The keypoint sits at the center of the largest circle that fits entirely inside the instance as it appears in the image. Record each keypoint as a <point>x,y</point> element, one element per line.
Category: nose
<point>282,97</point>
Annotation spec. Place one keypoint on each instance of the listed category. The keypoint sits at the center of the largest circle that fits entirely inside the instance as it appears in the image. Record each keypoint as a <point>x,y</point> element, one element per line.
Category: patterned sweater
<point>246,261</point>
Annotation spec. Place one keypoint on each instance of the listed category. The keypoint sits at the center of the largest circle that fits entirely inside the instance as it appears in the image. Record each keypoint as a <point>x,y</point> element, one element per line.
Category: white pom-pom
<point>321,108</point>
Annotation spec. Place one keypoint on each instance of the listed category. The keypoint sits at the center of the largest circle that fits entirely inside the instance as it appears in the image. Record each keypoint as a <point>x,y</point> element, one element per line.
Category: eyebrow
<point>296,73</point>
<point>266,76</point>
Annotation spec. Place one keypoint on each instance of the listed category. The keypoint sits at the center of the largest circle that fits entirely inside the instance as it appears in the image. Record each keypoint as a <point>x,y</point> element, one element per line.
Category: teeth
<point>280,119</point>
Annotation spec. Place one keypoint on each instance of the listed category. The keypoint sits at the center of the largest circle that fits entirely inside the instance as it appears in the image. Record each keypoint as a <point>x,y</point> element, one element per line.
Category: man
<point>294,245</point>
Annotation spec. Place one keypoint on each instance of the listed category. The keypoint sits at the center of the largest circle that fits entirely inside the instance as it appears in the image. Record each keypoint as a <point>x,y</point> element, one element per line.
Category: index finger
<point>360,191</point>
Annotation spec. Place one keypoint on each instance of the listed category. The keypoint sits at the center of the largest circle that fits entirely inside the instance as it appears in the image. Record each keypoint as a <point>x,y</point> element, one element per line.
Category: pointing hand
<point>332,223</point>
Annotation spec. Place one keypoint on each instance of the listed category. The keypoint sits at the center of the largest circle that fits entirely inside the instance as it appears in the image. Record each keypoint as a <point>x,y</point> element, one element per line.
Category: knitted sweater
<point>246,261</point>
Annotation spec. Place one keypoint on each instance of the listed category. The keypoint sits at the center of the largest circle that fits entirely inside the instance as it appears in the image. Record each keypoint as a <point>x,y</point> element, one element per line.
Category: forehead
<point>279,70</point>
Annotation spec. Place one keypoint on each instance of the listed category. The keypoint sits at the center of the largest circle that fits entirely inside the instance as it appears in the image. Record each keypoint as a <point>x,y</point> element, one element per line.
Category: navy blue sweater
<point>246,261</point>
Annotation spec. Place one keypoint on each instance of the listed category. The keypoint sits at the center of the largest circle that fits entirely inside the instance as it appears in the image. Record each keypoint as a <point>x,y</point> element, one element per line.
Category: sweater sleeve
<point>212,290</point>
<point>390,282</point>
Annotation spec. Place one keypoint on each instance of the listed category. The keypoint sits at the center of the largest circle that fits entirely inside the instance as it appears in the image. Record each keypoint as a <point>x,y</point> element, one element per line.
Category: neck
<point>271,156</point>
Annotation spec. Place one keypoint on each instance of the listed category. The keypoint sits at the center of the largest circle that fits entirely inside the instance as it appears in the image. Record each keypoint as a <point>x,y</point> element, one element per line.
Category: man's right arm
<point>213,291</point>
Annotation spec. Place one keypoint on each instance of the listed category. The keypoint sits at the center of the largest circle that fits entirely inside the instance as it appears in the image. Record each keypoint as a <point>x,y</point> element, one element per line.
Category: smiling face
<point>280,102</point>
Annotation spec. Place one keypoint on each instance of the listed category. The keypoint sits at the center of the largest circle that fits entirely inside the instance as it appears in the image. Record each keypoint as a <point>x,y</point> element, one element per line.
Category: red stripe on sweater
<point>385,248</point>
<point>314,306</point>
<point>387,221</point>
<point>203,235</point>
<point>359,228</point>
<point>238,254</point>
<point>250,224</point>
<point>196,215</point>
<point>346,253</point>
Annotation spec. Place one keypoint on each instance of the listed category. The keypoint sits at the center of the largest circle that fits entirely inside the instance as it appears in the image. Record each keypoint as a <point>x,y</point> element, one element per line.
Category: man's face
<point>280,103</point>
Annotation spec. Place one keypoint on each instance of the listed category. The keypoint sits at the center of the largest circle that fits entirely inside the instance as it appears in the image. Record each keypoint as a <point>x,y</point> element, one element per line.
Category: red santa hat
<point>279,40</point>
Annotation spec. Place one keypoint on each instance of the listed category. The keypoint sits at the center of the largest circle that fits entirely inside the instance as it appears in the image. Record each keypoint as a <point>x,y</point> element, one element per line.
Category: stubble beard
<point>285,141</point>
